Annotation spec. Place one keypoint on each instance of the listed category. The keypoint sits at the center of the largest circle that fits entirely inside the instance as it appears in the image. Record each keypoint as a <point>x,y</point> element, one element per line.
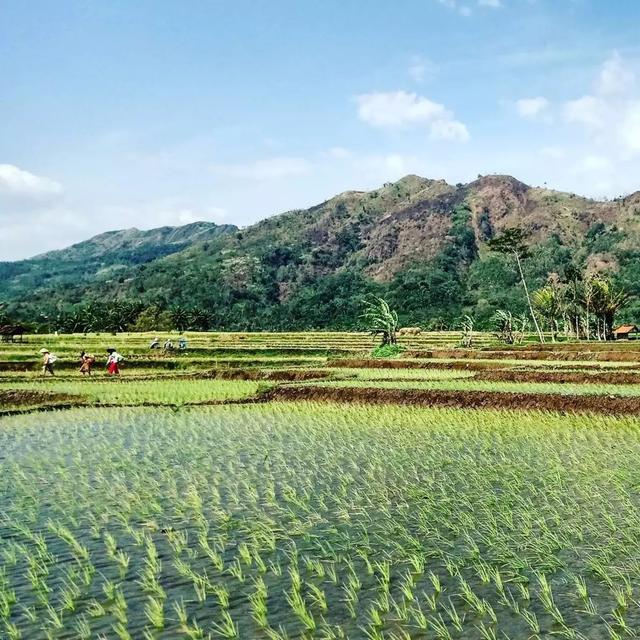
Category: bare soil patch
<point>460,399</point>
<point>560,377</point>
<point>19,398</point>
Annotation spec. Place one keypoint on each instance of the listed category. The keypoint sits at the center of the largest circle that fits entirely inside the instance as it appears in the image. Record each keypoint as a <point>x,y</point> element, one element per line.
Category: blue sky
<point>119,114</point>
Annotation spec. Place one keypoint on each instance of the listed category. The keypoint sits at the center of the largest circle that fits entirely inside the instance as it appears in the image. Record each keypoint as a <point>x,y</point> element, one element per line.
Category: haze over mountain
<point>420,242</point>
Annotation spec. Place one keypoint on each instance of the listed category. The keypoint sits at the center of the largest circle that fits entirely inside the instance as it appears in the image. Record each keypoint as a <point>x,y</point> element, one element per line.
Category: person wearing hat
<point>47,362</point>
<point>113,362</point>
<point>86,362</point>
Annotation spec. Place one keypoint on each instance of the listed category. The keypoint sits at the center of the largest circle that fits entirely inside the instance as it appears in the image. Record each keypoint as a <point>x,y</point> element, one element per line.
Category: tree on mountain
<point>606,301</point>
<point>512,242</point>
<point>381,319</point>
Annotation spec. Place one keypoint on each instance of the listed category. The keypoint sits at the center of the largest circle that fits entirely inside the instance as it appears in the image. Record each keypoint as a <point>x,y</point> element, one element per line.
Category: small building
<point>626,332</point>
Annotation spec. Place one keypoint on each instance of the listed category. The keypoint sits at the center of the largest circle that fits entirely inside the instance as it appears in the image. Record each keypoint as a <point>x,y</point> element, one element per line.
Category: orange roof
<point>626,328</point>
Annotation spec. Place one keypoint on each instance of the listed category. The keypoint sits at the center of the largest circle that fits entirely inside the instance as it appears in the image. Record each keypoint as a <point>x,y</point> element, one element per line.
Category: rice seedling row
<point>318,521</point>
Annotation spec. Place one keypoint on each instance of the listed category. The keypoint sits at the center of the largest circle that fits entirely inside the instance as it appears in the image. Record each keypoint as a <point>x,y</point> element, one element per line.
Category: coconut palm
<point>550,304</point>
<point>606,300</point>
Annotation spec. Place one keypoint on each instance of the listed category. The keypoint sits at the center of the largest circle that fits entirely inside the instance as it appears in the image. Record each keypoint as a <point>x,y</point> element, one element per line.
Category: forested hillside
<point>421,243</point>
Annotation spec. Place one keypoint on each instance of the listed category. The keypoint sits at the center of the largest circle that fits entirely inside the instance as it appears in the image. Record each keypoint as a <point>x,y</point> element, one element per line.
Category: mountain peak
<point>498,180</point>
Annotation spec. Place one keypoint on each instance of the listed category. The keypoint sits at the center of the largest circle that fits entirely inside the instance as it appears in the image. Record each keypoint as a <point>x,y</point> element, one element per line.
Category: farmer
<point>47,361</point>
<point>182,343</point>
<point>168,345</point>
<point>113,362</point>
<point>86,362</point>
<point>155,343</point>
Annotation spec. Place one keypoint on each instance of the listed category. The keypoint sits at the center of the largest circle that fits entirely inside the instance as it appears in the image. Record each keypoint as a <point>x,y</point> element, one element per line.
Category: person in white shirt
<point>113,362</point>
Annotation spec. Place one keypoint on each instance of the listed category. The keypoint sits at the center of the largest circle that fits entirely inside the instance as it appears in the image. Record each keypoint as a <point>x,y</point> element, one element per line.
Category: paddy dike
<point>504,373</point>
<point>459,399</point>
<point>560,377</point>
<point>568,355</point>
<point>282,375</point>
<point>27,397</point>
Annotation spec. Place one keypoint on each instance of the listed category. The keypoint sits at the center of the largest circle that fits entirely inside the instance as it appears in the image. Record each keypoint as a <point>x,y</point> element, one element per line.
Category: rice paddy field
<point>274,486</point>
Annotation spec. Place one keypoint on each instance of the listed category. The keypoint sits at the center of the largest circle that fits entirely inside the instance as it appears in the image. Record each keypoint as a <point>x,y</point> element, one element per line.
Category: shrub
<point>387,351</point>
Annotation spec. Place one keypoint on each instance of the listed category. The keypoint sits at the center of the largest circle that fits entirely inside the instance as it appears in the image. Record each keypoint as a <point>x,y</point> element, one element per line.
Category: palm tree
<point>381,319</point>
<point>550,304</point>
<point>606,301</point>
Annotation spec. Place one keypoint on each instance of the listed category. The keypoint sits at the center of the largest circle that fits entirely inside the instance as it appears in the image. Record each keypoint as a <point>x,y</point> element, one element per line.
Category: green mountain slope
<point>72,273</point>
<point>420,242</point>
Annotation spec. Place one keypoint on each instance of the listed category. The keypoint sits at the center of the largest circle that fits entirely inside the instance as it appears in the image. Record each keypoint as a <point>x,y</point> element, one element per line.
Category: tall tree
<point>512,242</point>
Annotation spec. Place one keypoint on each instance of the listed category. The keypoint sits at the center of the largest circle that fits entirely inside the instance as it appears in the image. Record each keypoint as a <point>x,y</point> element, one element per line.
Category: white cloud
<point>399,109</point>
<point>588,110</point>
<point>464,9</point>
<point>268,169</point>
<point>532,108</point>
<point>458,7</point>
<point>447,129</point>
<point>615,76</point>
<point>20,184</point>
<point>611,115</point>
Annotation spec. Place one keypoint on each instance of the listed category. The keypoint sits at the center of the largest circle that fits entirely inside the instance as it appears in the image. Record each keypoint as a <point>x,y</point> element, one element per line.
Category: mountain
<point>102,260</point>
<point>422,243</point>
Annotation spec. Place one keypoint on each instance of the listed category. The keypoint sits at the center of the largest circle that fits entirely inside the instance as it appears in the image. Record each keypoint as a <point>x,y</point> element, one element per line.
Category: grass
<point>124,391</point>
